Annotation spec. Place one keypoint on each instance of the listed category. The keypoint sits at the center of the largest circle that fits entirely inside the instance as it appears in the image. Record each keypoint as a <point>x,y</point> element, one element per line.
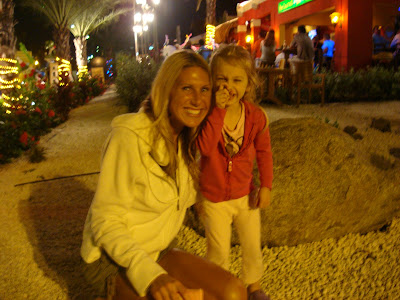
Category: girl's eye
<point>205,89</point>
<point>186,88</point>
<point>221,78</point>
<point>238,80</point>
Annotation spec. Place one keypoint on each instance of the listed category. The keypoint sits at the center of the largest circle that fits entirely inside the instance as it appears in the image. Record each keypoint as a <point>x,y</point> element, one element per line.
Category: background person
<point>328,49</point>
<point>235,134</point>
<point>303,45</point>
<point>268,47</point>
<point>256,51</point>
<point>145,185</point>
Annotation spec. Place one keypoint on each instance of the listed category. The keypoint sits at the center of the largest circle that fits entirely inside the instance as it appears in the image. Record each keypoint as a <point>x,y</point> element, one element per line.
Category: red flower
<point>51,113</point>
<point>23,65</point>
<point>24,138</point>
<point>20,112</point>
<point>38,110</point>
<point>33,139</point>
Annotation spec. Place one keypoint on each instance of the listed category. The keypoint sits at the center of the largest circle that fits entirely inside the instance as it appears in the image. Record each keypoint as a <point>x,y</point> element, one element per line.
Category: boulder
<point>326,184</point>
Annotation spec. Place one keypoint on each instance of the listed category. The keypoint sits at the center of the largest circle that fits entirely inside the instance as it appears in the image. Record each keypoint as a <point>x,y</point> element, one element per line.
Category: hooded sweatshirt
<point>137,209</point>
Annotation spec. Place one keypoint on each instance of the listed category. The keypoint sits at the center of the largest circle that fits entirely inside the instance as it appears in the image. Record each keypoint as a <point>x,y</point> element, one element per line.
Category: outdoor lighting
<point>210,35</point>
<point>36,62</point>
<point>336,18</point>
<point>249,38</point>
<point>156,2</point>
<point>141,2</point>
<point>137,29</point>
<point>145,27</point>
<point>72,26</point>
<point>148,18</point>
<point>137,17</point>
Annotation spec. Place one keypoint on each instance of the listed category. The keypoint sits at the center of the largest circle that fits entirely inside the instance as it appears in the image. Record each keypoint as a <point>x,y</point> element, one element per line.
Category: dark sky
<point>33,29</point>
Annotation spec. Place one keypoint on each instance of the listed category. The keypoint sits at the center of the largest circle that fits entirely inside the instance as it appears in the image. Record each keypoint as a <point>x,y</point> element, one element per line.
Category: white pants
<point>217,219</point>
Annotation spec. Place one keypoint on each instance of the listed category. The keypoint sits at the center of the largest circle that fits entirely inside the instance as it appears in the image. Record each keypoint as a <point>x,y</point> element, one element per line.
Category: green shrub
<point>370,84</point>
<point>134,79</point>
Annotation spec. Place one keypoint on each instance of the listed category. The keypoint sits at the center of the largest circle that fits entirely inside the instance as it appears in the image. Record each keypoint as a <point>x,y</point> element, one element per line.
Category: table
<point>287,52</point>
<point>272,74</point>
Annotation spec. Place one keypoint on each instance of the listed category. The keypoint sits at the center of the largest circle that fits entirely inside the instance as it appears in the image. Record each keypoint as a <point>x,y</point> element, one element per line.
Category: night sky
<point>33,29</point>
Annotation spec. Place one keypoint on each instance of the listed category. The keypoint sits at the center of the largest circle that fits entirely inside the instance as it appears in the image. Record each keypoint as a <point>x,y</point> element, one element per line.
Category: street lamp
<point>143,19</point>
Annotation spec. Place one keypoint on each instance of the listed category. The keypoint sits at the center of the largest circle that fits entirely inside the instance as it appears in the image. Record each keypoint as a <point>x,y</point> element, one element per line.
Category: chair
<point>303,78</point>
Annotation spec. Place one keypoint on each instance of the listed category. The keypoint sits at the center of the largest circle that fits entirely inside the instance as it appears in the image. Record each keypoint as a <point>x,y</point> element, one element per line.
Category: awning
<point>222,30</point>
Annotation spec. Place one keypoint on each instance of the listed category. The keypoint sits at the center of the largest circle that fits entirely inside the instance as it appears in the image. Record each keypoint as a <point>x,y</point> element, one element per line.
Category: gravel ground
<point>42,222</point>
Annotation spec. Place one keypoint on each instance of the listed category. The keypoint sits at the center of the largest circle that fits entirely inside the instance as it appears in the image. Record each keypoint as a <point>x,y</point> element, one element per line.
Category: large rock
<point>326,184</point>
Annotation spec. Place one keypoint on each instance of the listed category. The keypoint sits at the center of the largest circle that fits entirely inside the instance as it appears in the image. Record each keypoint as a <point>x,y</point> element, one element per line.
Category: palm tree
<point>60,13</point>
<point>210,10</point>
<point>7,47</point>
<point>7,23</point>
<point>88,20</point>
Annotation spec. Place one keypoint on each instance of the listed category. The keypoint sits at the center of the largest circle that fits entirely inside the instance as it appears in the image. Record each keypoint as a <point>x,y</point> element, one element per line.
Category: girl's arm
<point>210,134</point>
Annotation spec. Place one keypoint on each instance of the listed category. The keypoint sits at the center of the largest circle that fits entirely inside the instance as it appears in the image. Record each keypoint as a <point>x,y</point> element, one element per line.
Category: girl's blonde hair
<point>238,56</point>
<point>156,107</point>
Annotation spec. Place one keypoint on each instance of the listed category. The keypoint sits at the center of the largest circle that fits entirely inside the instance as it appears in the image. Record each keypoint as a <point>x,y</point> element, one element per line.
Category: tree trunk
<point>61,39</point>
<point>210,13</point>
<point>7,23</point>
<point>80,43</point>
<point>7,47</point>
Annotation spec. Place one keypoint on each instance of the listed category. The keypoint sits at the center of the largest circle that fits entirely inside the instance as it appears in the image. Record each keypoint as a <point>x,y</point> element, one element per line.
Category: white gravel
<point>41,223</point>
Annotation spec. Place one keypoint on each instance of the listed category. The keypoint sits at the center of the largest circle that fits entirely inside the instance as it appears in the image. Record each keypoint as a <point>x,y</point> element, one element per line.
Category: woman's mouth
<point>193,111</point>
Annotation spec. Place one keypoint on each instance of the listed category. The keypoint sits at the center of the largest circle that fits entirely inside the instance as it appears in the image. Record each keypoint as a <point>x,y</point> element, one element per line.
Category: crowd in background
<point>316,45</point>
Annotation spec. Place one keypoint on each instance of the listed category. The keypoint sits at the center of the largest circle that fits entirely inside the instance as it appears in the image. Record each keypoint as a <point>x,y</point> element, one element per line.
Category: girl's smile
<point>234,79</point>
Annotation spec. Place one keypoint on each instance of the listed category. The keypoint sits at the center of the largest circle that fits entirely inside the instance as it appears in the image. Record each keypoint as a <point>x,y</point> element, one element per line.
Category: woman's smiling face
<point>190,98</point>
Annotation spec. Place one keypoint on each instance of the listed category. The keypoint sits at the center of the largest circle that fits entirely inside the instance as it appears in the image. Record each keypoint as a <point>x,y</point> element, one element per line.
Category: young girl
<point>236,132</point>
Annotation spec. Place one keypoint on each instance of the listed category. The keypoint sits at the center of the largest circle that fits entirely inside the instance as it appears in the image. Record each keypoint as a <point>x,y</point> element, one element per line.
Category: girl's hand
<point>264,197</point>
<point>222,96</point>
<point>165,287</point>
<point>260,198</point>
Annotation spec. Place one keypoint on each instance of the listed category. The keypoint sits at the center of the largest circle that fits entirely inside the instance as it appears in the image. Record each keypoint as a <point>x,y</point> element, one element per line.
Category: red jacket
<point>216,182</point>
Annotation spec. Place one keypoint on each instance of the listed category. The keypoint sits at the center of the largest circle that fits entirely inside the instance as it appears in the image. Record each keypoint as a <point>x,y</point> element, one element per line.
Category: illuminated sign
<point>286,5</point>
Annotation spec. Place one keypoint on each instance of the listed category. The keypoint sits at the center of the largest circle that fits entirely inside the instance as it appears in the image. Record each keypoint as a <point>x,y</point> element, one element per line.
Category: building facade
<point>352,33</point>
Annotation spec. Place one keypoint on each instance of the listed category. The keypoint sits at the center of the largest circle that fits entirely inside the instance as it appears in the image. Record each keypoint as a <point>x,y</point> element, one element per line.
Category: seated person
<point>380,43</point>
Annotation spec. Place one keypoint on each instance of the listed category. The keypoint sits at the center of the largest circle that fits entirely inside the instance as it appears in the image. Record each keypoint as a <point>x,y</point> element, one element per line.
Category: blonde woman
<point>145,186</point>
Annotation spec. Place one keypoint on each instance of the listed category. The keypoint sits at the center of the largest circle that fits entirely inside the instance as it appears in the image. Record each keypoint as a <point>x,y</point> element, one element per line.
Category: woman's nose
<point>196,98</point>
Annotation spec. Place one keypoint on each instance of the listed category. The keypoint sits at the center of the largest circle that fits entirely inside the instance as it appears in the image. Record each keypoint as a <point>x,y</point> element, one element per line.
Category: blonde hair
<point>238,56</point>
<point>156,107</point>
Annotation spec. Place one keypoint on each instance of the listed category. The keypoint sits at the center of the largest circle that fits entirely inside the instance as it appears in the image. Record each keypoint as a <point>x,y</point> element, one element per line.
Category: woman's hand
<point>165,287</point>
<point>222,96</point>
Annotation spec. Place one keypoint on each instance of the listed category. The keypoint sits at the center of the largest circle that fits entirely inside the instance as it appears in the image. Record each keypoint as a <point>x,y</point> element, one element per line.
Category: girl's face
<point>234,79</point>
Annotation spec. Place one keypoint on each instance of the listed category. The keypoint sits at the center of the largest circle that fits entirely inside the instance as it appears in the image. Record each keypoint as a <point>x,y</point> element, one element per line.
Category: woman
<point>144,189</point>
<point>268,47</point>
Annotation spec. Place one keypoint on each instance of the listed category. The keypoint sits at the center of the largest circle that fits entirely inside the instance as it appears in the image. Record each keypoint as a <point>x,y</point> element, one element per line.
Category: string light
<point>82,71</point>
<point>210,35</point>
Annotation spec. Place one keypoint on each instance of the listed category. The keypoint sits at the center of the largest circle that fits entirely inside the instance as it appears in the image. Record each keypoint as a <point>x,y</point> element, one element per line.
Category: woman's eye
<point>186,88</point>
<point>221,79</point>
<point>206,89</point>
<point>238,80</point>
